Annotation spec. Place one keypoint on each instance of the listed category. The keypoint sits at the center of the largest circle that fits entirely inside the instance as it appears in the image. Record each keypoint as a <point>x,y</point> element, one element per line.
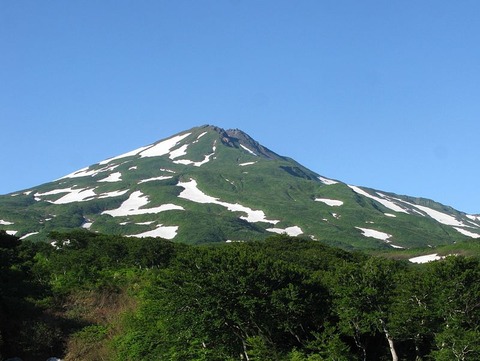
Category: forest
<point>89,296</point>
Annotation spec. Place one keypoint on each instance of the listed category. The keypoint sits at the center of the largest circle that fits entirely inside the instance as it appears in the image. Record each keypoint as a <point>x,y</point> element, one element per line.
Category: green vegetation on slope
<point>99,297</point>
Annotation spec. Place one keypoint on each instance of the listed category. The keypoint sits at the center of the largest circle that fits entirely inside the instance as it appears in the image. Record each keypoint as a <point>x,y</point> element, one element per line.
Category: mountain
<point>208,184</point>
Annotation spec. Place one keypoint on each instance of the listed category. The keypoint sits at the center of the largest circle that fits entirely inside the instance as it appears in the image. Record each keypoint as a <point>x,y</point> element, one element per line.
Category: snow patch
<point>124,155</point>
<point>385,202</point>
<point>179,152</point>
<point>167,232</point>
<point>367,232</point>
<point>201,135</point>
<point>473,217</point>
<point>132,206</point>
<point>114,177</point>
<point>12,233</point>
<point>154,179</point>
<point>327,181</point>
<point>133,168</point>
<point>76,195</point>
<point>55,191</point>
<point>87,225</point>
<point>191,162</point>
<point>85,172</point>
<point>291,231</point>
<point>330,202</point>
<point>5,223</point>
<point>206,159</point>
<point>246,163</point>
<point>112,194</point>
<point>163,147</point>
<point>426,258</point>
<point>192,193</point>
<point>390,215</point>
<point>248,150</point>
<point>395,246</point>
<point>440,217</point>
<point>167,170</point>
<point>28,235</point>
<point>467,233</point>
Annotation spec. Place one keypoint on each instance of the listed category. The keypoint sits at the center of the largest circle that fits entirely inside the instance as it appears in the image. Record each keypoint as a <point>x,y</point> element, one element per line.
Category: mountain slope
<point>213,185</point>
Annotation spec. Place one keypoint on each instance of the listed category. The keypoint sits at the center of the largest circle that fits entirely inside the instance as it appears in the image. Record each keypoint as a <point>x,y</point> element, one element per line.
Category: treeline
<point>98,297</point>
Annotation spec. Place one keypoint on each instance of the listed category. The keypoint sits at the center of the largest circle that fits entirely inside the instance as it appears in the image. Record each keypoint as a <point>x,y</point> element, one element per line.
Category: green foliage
<point>94,297</point>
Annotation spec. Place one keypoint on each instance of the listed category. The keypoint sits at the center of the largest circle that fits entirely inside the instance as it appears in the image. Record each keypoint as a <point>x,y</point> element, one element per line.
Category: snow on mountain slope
<point>385,202</point>
<point>167,232</point>
<point>163,147</point>
<point>327,181</point>
<point>426,258</point>
<point>291,231</point>
<point>192,193</point>
<point>330,202</point>
<point>112,178</point>
<point>367,232</point>
<point>209,184</point>
<point>134,206</point>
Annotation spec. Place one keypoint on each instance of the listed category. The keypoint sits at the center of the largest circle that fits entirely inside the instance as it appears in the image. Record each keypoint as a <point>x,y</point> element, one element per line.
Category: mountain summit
<point>208,184</point>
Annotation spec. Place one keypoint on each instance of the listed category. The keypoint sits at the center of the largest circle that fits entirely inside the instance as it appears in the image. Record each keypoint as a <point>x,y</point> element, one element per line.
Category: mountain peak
<point>209,184</point>
<point>237,138</point>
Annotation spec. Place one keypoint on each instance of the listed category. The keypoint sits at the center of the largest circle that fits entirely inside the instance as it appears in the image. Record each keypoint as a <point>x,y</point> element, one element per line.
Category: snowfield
<point>114,177</point>
<point>473,217</point>
<point>167,232</point>
<point>249,150</point>
<point>191,162</point>
<point>436,215</point>
<point>124,155</point>
<point>206,159</point>
<point>28,235</point>
<point>179,152</point>
<point>367,232</point>
<point>467,233</point>
<point>192,193</point>
<point>426,258</point>
<point>246,163</point>
<point>329,202</point>
<point>85,172</point>
<point>385,202</point>
<point>77,195</point>
<point>327,181</point>
<point>152,150</point>
<point>291,231</point>
<point>87,225</point>
<point>164,147</point>
<point>154,179</point>
<point>133,206</point>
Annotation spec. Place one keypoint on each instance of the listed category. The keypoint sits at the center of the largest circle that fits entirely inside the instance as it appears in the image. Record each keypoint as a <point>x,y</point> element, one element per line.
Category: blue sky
<point>384,94</point>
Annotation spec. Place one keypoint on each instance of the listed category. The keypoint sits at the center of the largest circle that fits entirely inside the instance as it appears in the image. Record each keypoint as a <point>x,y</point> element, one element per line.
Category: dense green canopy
<point>92,297</point>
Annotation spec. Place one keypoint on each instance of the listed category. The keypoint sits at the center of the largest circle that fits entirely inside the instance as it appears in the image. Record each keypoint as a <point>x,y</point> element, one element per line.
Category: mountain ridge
<point>207,184</point>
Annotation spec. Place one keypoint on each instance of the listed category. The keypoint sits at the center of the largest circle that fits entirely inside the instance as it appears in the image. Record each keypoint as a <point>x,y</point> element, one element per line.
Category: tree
<point>363,297</point>
<point>458,304</point>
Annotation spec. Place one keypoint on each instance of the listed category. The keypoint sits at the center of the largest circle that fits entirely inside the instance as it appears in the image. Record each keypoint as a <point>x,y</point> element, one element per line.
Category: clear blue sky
<point>384,94</point>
